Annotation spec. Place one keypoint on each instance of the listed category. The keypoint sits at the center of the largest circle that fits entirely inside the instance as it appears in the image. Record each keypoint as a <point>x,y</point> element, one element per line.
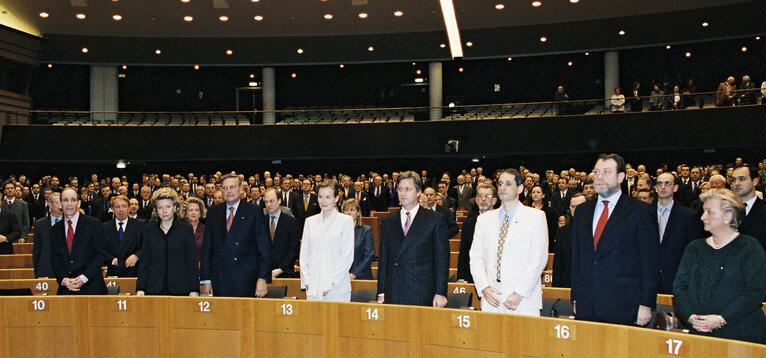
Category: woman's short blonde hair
<point>354,203</point>
<point>193,200</point>
<point>730,203</point>
<point>165,193</point>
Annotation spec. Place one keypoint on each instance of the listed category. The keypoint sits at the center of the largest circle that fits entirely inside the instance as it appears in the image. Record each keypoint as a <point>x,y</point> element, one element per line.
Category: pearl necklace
<point>718,247</point>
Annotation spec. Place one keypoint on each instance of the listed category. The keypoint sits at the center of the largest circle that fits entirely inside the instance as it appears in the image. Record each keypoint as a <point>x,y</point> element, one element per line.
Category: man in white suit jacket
<point>513,287</point>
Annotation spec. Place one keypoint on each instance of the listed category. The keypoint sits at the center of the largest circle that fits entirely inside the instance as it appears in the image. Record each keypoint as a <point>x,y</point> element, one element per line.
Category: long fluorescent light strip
<point>453,33</point>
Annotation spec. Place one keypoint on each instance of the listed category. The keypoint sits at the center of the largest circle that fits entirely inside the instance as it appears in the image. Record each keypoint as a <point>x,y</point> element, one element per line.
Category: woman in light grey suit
<point>364,246</point>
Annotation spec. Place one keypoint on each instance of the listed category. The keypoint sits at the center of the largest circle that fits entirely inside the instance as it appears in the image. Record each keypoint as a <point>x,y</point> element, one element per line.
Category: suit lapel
<point>239,219</point>
<point>620,210</point>
<point>670,224</point>
<point>78,234</point>
<point>418,224</point>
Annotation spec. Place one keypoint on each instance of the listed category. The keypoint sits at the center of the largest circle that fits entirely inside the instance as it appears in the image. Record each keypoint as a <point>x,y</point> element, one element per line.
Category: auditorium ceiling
<point>246,32</point>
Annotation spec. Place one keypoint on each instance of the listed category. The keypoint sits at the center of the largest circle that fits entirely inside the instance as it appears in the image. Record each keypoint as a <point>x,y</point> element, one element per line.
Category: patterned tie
<point>120,231</point>
<point>601,223</point>
<point>663,222</point>
<point>230,219</point>
<point>501,243</point>
<point>272,227</point>
<point>306,202</point>
<point>407,223</point>
<point>69,236</point>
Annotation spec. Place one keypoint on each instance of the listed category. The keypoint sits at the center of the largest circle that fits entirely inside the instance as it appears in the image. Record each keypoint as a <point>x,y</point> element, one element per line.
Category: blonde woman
<point>194,212</point>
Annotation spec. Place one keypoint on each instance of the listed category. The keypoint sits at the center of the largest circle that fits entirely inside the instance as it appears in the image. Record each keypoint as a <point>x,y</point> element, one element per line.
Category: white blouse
<point>327,252</point>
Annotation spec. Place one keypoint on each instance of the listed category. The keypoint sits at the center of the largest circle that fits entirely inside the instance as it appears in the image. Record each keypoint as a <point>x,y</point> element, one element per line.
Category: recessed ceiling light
<point>293,75</point>
<point>188,18</point>
<point>196,67</point>
<point>328,16</point>
<point>158,51</point>
<point>370,49</point>
<point>460,69</point>
<point>570,63</point>
<point>300,51</point>
<point>252,75</point>
<point>223,18</point>
<point>44,14</point>
<point>80,16</point>
<point>252,84</point>
<point>667,47</point>
<point>587,54</point>
<point>50,65</point>
<point>418,72</point>
<point>543,39</point>
<point>184,1</point>
<point>744,49</point>
<point>469,43</point>
<point>117,17</point>
<point>536,3</point>
<point>705,24</point>
<point>574,1</point>
<point>84,50</point>
<point>688,54</point>
<point>362,15</point>
<point>398,13</point>
<point>124,67</point>
<point>499,6</point>
<point>341,65</point>
<point>255,0</point>
<point>229,52</point>
<point>510,58</point>
<point>622,32</point>
<point>442,45</point>
<point>258,17</point>
<point>757,37</point>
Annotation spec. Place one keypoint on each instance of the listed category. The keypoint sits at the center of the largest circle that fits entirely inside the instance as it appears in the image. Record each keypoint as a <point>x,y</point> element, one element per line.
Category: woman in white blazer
<point>327,249</point>
<point>525,253</point>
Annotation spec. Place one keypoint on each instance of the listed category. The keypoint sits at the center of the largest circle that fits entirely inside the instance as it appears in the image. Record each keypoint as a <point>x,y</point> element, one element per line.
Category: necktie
<point>230,219</point>
<point>272,227</point>
<point>306,202</point>
<point>663,222</point>
<point>120,232</point>
<point>407,223</point>
<point>562,195</point>
<point>746,212</point>
<point>358,196</point>
<point>601,223</point>
<point>377,192</point>
<point>69,236</point>
<point>501,243</point>
<point>9,203</point>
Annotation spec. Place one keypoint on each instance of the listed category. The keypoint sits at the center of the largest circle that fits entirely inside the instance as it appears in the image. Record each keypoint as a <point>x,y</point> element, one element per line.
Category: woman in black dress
<point>168,253</point>
<point>721,280</point>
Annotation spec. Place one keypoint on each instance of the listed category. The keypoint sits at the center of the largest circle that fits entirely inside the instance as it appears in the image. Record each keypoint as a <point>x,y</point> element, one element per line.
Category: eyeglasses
<point>485,196</point>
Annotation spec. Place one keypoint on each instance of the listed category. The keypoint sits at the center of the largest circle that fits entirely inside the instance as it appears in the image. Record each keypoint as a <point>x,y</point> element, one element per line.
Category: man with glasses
<point>678,226</point>
<point>486,197</point>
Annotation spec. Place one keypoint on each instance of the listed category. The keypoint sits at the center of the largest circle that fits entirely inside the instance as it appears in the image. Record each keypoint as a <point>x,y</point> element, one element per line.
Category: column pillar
<point>104,93</point>
<point>269,96</point>
<point>435,92</point>
<point>611,74</point>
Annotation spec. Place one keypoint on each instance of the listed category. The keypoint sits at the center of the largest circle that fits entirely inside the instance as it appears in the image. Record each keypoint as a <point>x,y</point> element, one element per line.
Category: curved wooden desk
<point>129,326</point>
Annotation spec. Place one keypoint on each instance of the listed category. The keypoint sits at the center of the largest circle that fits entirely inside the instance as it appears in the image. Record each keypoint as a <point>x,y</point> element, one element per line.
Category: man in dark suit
<point>615,250</point>
<point>464,193</point>
<point>41,249</point>
<point>17,207</point>
<point>285,236</point>
<point>562,260</point>
<point>77,246</point>
<point>429,203</point>
<point>361,197</point>
<point>448,201</point>
<point>123,241</point>
<point>526,192</point>
<point>678,226</point>
<point>414,251</point>
<point>209,195</point>
<point>306,204</point>
<point>145,207</point>
<point>36,202</point>
<point>255,197</point>
<point>9,231</point>
<point>380,197</point>
<point>744,179</point>
<point>101,205</point>
<point>289,198</point>
<point>236,252</point>
<point>560,198</point>
<point>486,197</point>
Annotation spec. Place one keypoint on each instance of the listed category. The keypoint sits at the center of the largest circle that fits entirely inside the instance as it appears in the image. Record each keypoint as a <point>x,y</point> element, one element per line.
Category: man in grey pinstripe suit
<point>414,251</point>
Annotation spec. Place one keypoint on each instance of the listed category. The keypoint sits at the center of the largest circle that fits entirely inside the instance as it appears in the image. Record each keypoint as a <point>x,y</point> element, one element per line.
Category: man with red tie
<point>77,245</point>
<point>615,252</point>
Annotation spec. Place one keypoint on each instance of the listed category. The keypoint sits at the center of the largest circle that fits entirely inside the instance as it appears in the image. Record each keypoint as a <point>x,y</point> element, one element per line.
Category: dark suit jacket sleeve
<point>97,245</point>
<point>383,257</point>
<point>192,274</point>
<point>15,233</point>
<point>293,238</point>
<point>206,259</point>
<point>368,247</point>
<point>649,253</point>
<point>37,246</point>
<point>466,239</point>
<point>146,263</point>
<point>263,244</point>
<point>576,224</point>
<point>441,256</point>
